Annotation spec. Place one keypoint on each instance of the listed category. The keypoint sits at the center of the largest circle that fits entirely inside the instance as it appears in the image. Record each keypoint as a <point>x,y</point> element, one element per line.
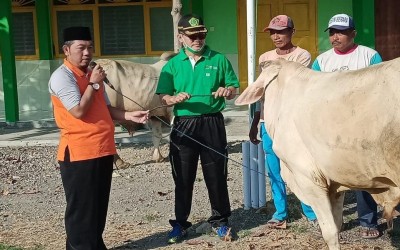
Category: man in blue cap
<point>347,55</point>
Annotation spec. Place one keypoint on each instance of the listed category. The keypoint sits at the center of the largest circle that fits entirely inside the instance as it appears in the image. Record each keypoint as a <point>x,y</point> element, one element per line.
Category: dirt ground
<point>32,206</point>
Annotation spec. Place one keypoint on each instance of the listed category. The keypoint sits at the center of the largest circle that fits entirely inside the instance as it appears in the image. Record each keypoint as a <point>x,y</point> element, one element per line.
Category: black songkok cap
<point>191,24</point>
<point>77,33</point>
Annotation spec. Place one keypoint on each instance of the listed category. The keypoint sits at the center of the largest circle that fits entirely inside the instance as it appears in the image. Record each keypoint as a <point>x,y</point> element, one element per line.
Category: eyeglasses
<point>199,36</point>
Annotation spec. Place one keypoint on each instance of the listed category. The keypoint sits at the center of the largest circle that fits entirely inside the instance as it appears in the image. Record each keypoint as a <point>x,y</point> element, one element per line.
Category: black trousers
<point>184,155</point>
<point>87,190</point>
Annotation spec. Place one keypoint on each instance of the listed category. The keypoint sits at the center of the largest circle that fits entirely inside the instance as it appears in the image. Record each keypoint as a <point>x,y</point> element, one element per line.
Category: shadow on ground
<point>37,132</point>
<point>242,221</point>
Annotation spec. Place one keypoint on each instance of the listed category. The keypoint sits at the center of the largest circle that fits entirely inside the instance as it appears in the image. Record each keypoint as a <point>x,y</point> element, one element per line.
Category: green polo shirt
<point>212,71</point>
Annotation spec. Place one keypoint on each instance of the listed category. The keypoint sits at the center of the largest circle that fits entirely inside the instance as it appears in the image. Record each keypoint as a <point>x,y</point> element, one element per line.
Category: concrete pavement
<point>45,132</point>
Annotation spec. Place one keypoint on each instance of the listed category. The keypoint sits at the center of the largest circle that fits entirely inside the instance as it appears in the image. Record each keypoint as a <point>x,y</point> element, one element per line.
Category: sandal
<point>369,232</point>
<point>277,224</point>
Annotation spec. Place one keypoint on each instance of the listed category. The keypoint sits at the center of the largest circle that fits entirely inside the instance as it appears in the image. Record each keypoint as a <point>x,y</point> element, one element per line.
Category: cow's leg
<point>389,200</point>
<point>328,219</point>
<point>318,198</point>
<point>337,200</point>
<point>119,163</point>
<point>156,130</point>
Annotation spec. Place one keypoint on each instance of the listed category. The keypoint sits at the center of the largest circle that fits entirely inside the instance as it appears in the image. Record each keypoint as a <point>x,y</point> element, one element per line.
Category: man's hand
<point>137,116</point>
<point>174,99</point>
<point>98,74</point>
<point>253,134</point>
<point>254,128</point>
<point>229,93</point>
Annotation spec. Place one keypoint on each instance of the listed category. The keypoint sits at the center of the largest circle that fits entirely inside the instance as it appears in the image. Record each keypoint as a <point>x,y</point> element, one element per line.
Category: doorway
<point>303,13</point>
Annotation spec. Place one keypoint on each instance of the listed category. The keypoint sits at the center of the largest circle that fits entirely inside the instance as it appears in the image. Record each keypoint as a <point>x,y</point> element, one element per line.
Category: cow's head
<point>255,91</point>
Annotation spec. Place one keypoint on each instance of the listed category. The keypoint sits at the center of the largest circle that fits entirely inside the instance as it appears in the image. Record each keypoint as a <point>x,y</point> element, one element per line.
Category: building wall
<point>362,11</point>
<point>220,17</point>
<point>32,83</point>
<point>2,107</point>
<point>364,17</point>
<point>33,75</point>
<point>326,9</point>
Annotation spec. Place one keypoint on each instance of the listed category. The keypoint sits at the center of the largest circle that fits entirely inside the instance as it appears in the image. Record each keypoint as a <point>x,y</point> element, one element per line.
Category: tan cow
<point>333,132</point>
<point>138,82</point>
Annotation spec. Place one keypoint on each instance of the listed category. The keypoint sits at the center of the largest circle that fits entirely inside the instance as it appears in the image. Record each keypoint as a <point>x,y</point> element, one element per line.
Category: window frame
<point>90,7</point>
<point>96,25</point>
<point>24,9</point>
<point>147,29</point>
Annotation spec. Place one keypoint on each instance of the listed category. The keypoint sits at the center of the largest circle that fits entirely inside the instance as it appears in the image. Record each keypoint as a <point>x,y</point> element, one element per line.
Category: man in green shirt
<point>197,81</point>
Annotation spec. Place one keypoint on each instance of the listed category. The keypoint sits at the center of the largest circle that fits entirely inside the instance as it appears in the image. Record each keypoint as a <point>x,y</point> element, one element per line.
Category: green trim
<point>44,33</point>
<point>8,63</point>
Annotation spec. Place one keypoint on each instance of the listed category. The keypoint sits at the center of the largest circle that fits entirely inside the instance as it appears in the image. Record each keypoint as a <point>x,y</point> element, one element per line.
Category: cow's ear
<point>256,90</point>
<point>270,71</point>
<point>250,95</point>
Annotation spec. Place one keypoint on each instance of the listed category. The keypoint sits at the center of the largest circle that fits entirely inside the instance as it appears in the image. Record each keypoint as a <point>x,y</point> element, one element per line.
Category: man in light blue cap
<point>347,55</point>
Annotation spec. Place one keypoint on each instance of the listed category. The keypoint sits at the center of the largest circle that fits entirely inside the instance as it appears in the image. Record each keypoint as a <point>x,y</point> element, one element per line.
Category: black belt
<point>198,116</point>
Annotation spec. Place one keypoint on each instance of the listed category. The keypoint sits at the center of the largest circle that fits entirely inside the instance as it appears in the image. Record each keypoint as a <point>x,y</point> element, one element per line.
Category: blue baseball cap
<point>341,22</point>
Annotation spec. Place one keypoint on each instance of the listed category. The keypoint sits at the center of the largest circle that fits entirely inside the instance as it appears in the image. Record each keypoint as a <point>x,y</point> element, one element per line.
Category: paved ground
<point>45,133</point>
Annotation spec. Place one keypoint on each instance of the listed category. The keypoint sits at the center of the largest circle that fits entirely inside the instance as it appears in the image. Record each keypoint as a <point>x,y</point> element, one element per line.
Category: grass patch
<point>298,228</point>
<point>243,233</point>
<point>7,247</point>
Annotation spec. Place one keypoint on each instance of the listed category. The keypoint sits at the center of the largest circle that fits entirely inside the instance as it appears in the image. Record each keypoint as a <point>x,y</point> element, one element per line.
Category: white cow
<point>333,132</point>
<point>138,82</point>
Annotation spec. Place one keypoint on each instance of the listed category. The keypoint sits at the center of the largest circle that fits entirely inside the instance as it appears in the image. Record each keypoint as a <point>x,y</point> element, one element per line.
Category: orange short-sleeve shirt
<point>90,137</point>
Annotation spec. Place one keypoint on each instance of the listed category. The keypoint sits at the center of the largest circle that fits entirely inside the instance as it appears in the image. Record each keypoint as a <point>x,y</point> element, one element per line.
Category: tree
<point>176,15</point>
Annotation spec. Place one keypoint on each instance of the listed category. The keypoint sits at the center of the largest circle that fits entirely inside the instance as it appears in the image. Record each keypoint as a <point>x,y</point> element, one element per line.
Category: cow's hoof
<point>161,159</point>
<point>120,164</point>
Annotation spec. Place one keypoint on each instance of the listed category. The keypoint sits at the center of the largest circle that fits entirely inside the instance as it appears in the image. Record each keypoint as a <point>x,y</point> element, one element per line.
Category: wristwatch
<point>94,85</point>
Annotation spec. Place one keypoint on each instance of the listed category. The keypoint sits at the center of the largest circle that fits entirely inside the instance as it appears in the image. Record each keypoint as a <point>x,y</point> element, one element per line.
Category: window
<point>161,29</point>
<point>67,19</point>
<point>122,30</point>
<point>120,27</point>
<point>24,30</point>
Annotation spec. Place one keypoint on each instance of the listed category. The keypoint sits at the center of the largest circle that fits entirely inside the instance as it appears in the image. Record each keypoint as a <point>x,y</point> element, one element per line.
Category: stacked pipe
<point>254,190</point>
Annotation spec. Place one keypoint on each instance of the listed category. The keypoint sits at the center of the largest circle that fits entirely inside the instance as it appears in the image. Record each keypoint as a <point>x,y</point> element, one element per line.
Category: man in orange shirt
<point>83,113</point>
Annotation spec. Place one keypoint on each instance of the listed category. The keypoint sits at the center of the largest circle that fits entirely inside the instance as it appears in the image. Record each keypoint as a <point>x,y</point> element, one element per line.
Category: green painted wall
<point>220,18</point>
<point>186,6</point>
<point>364,18</point>
<point>361,10</point>
<point>197,7</point>
<point>325,10</point>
